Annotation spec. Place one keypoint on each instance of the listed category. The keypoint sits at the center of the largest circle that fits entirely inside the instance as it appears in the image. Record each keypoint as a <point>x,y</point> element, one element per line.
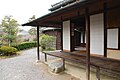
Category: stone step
<point>56,66</point>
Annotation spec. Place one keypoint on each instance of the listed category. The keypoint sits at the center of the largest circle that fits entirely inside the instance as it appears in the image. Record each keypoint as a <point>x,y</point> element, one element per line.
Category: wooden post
<point>38,57</point>
<point>64,63</point>
<point>71,36</point>
<point>119,38</point>
<point>83,37</point>
<point>98,73</point>
<point>45,57</point>
<point>87,44</point>
<point>61,34</point>
<point>105,29</point>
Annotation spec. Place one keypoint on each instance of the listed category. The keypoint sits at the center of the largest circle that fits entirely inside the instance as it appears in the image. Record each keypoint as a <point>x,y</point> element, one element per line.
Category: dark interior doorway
<point>79,32</point>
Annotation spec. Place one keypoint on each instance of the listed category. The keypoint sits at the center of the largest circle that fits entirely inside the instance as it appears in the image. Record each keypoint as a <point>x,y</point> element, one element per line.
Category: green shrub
<point>47,49</point>
<point>46,41</point>
<point>50,49</point>
<point>25,45</point>
<point>7,51</point>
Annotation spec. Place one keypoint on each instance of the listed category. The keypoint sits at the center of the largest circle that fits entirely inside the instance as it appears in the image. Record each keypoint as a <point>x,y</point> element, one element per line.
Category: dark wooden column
<point>62,36</point>
<point>98,73</point>
<point>61,33</point>
<point>119,38</point>
<point>83,37</point>
<point>87,18</point>
<point>71,36</point>
<point>38,57</point>
<point>105,29</point>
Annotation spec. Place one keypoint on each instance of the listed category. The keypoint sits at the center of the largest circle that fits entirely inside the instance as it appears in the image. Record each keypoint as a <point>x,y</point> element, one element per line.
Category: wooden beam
<point>105,29</point>
<point>38,57</point>
<point>87,17</point>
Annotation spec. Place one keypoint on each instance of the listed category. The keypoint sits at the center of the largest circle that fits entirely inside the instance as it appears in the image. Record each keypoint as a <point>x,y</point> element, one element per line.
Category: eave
<point>70,12</point>
<point>56,17</point>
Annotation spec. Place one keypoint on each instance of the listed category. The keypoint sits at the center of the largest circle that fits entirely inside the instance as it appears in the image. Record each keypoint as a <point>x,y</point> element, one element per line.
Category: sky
<point>22,10</point>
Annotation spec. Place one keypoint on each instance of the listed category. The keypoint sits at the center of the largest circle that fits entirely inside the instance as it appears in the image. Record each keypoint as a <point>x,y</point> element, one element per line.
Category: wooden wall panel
<point>113,18</point>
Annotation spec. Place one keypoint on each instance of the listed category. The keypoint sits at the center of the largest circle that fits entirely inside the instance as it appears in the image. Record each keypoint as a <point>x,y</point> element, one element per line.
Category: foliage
<point>10,28</point>
<point>48,49</point>
<point>25,45</point>
<point>7,51</point>
<point>32,18</point>
<point>3,57</point>
<point>9,36</point>
<point>0,39</point>
<point>46,41</point>
<point>32,31</point>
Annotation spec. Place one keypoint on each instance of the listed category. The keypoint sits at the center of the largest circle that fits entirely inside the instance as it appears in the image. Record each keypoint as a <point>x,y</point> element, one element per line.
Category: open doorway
<point>79,34</point>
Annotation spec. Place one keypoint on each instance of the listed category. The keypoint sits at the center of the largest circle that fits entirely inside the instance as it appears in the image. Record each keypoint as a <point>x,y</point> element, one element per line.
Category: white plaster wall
<point>97,34</point>
<point>66,35</point>
<point>112,38</point>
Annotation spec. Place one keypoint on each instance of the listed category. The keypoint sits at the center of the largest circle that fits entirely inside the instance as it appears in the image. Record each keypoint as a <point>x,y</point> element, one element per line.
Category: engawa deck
<point>96,61</point>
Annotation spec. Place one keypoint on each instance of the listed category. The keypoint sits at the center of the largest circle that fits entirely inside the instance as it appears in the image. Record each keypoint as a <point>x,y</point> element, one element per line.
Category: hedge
<point>7,51</point>
<point>25,45</point>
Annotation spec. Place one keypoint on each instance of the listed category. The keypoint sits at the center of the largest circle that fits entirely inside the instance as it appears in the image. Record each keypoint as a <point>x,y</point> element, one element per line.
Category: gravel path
<point>24,67</point>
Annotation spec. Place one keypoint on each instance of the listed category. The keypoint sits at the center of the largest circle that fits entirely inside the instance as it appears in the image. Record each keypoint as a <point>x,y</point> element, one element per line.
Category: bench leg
<point>64,63</point>
<point>45,57</point>
<point>98,73</point>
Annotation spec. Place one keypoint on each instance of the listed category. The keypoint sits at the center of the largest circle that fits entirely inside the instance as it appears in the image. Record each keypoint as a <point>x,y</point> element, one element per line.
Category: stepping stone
<point>56,66</point>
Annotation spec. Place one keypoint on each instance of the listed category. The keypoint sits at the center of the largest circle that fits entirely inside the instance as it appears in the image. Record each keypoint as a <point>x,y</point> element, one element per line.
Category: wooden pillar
<point>98,73</point>
<point>87,18</point>
<point>71,36</point>
<point>64,63</point>
<point>61,33</point>
<point>119,38</point>
<point>105,29</point>
<point>45,57</point>
<point>38,57</point>
<point>62,36</point>
<point>83,37</point>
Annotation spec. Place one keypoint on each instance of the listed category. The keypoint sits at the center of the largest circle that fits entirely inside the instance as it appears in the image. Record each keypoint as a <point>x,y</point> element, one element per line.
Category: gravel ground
<point>24,67</point>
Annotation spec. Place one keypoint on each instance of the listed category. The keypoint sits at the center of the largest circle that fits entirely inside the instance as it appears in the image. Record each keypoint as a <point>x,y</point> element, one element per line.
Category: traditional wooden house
<point>98,22</point>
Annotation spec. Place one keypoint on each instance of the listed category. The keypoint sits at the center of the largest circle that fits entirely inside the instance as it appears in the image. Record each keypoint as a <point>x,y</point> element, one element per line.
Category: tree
<point>10,28</point>
<point>32,31</point>
<point>32,18</point>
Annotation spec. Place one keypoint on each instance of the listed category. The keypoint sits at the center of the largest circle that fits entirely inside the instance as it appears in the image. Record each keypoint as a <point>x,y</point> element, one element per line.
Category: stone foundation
<point>79,70</point>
